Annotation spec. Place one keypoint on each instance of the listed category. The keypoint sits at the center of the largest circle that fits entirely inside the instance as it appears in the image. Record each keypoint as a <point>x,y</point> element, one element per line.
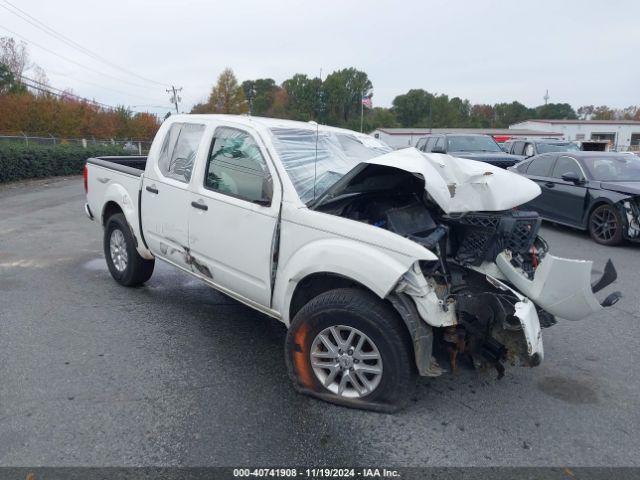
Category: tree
<point>603,113</point>
<point>509,113</point>
<point>412,109</point>
<point>261,94</point>
<point>585,112</point>
<point>8,82</point>
<point>14,55</point>
<point>559,111</point>
<point>344,90</point>
<point>226,96</point>
<point>303,97</point>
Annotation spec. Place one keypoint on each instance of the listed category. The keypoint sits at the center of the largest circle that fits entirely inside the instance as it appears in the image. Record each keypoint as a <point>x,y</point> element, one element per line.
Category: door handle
<point>200,206</point>
<point>549,184</point>
<point>152,189</point>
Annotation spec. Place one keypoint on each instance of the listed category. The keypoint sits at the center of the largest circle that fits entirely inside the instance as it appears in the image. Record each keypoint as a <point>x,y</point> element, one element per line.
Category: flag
<point>366,101</point>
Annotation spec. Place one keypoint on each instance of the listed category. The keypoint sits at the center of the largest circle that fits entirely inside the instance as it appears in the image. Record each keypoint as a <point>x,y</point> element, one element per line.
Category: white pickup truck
<point>376,260</point>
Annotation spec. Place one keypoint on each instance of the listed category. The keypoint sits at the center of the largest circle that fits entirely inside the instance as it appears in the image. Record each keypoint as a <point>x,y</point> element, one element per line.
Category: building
<point>407,137</point>
<point>622,134</point>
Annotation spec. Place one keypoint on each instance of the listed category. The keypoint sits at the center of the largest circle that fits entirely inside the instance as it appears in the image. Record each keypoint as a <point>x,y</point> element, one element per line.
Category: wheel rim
<point>604,224</point>
<point>346,361</point>
<point>118,249</point>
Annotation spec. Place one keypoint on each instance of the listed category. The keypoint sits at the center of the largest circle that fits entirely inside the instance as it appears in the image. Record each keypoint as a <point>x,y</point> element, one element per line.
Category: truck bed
<point>132,165</point>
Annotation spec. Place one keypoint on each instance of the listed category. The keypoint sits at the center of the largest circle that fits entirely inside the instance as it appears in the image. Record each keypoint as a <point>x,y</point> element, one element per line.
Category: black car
<point>525,148</point>
<point>594,191</point>
<point>472,146</point>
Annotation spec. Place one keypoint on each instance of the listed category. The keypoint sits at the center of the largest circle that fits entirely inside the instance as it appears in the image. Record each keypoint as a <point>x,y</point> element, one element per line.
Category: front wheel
<point>605,225</point>
<point>346,346</point>
<point>125,264</point>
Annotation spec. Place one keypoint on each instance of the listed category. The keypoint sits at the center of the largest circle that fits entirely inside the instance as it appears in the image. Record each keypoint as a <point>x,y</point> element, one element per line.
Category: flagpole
<point>361,110</point>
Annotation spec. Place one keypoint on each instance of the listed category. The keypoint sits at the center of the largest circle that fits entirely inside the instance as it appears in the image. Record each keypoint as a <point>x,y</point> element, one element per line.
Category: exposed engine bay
<point>473,308</point>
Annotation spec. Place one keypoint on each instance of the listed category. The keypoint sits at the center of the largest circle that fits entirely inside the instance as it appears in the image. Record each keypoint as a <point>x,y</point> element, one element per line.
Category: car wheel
<point>605,225</point>
<point>348,347</point>
<point>125,264</point>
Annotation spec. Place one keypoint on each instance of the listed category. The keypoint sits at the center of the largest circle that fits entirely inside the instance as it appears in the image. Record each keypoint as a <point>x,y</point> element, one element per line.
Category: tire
<point>125,264</point>
<point>344,311</point>
<point>605,225</point>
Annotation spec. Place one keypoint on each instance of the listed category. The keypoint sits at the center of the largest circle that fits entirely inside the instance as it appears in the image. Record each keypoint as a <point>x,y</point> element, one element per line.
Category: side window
<point>540,167</point>
<point>440,143</point>
<point>237,168</point>
<point>420,144</point>
<point>518,148</point>
<point>566,165</point>
<point>179,151</point>
<point>430,143</point>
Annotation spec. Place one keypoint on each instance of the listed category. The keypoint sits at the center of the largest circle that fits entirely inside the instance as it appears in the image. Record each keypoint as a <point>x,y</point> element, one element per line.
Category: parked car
<point>594,191</point>
<point>367,255</point>
<point>525,148</point>
<point>478,147</point>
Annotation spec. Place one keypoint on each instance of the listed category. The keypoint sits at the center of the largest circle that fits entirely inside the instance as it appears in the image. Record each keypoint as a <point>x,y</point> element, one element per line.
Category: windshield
<point>472,143</point>
<point>337,153</point>
<point>557,147</point>
<point>623,168</point>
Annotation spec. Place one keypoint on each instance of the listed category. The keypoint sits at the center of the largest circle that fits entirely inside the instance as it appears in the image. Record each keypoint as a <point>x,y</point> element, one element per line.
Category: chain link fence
<point>139,146</point>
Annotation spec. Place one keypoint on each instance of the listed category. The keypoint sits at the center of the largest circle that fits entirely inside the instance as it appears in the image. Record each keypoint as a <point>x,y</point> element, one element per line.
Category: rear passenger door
<point>165,193</point>
<point>233,214</point>
<point>567,198</point>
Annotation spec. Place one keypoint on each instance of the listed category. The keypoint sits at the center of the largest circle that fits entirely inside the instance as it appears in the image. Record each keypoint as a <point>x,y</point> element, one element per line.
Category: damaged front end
<point>630,210</point>
<point>494,285</point>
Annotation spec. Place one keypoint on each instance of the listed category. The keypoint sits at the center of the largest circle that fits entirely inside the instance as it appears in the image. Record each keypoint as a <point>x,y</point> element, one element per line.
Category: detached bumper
<point>560,286</point>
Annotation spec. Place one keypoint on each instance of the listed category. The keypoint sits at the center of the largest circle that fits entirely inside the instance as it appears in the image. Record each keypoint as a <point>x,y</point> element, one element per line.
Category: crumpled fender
<point>561,286</point>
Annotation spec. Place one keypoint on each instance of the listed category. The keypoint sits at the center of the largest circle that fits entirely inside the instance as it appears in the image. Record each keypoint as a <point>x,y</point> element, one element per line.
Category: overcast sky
<point>584,52</point>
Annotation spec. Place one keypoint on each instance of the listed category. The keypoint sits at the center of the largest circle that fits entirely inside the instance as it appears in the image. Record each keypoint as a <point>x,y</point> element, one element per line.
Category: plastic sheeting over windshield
<point>316,159</point>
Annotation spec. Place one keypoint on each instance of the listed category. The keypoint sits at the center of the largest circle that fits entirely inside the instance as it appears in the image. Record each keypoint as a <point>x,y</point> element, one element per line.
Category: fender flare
<point>365,264</point>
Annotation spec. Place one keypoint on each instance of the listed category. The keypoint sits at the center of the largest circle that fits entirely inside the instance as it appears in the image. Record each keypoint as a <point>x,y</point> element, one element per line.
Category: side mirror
<point>572,177</point>
<point>438,149</point>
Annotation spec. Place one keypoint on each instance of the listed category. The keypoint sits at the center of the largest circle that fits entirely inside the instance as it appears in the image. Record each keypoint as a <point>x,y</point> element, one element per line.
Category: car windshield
<point>620,168</point>
<point>557,147</point>
<point>472,143</point>
<point>315,163</point>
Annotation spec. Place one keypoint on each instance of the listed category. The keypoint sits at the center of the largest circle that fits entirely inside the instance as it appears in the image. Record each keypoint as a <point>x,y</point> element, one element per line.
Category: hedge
<point>19,162</point>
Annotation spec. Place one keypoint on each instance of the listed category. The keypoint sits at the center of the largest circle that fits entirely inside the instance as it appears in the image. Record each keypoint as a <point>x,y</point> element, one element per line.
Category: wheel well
<point>111,208</point>
<point>317,283</point>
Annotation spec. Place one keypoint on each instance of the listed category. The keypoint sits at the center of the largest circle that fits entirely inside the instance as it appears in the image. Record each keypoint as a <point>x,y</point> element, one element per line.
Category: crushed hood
<point>632,188</point>
<point>457,185</point>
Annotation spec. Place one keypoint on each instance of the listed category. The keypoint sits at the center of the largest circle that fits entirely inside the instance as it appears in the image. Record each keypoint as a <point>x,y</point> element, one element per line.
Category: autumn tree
<point>14,55</point>
<point>226,96</point>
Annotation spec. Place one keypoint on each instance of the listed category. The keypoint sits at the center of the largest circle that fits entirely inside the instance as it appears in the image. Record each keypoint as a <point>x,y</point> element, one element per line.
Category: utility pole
<point>175,98</point>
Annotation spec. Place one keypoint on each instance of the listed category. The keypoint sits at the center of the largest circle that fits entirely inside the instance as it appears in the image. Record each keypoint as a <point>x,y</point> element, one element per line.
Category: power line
<point>63,38</point>
<point>70,60</point>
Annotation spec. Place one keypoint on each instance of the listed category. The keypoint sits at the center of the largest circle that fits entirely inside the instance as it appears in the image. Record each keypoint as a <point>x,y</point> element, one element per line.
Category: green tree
<point>8,82</point>
<point>343,91</point>
<point>261,93</point>
<point>303,97</point>
<point>509,113</point>
<point>412,108</point>
<point>559,111</point>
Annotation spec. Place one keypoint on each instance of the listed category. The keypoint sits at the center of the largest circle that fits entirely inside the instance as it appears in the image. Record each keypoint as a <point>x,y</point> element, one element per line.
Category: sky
<point>488,51</point>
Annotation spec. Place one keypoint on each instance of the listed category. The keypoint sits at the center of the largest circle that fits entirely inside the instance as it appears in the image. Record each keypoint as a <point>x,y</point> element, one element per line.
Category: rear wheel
<point>605,225</point>
<point>348,347</point>
<point>125,264</point>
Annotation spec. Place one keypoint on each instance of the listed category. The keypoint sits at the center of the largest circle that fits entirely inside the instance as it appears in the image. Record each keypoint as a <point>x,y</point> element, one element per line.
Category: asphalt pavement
<point>174,373</point>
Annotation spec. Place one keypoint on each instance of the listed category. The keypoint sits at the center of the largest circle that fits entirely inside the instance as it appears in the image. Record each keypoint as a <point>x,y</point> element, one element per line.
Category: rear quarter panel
<point>105,186</point>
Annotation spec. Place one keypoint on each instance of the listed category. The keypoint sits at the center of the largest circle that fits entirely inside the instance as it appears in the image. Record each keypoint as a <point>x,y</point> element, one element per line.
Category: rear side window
<point>540,167</point>
<point>518,148</point>
<point>420,144</point>
<point>440,143</point>
<point>237,168</point>
<point>179,151</point>
<point>566,165</point>
<point>431,141</point>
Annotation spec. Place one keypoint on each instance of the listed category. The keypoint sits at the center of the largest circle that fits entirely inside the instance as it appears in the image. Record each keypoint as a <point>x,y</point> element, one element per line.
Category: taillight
<point>85,176</point>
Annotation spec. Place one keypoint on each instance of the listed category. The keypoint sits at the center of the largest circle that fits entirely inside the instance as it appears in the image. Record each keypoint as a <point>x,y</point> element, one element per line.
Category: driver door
<point>235,204</point>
